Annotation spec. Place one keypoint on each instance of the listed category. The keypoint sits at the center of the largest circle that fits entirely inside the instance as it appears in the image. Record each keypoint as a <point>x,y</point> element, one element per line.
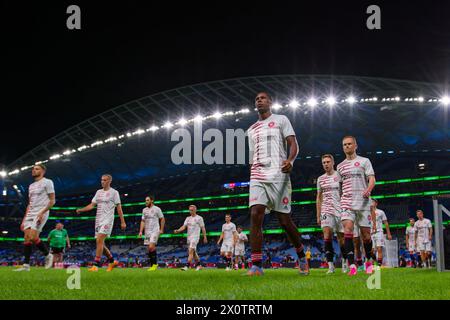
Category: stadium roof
<point>128,140</point>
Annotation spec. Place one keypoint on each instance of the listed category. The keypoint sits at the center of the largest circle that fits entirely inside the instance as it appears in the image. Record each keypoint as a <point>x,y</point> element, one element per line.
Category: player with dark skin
<point>263,103</point>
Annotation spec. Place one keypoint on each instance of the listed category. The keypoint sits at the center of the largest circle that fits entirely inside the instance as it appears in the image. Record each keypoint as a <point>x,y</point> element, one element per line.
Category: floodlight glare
<point>445,100</point>
<point>351,100</point>
<point>312,102</point>
<point>331,101</point>
<point>276,106</point>
<point>294,104</point>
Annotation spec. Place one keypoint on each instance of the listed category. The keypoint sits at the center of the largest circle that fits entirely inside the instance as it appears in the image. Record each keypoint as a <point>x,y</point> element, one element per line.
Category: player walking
<point>424,236</point>
<point>58,239</point>
<point>328,209</point>
<point>106,200</point>
<point>270,139</point>
<point>194,223</point>
<point>228,236</point>
<point>41,194</point>
<point>358,181</point>
<point>411,241</point>
<point>153,222</point>
<point>239,248</point>
<point>378,237</point>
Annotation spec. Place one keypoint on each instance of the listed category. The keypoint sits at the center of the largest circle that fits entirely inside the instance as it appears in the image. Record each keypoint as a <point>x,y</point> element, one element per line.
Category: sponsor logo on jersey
<point>271,124</point>
<point>357,164</point>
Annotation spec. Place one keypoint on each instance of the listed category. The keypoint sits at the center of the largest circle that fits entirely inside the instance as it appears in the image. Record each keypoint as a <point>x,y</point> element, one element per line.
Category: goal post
<point>442,235</point>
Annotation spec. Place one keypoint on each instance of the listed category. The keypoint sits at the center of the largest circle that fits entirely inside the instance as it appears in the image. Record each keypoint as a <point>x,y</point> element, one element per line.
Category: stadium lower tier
<point>172,252</point>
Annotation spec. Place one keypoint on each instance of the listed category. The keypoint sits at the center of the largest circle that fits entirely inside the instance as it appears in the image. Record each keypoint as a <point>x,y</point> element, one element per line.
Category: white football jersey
<point>330,186</point>
<point>355,180</point>
<point>411,232</point>
<point>151,217</point>
<point>240,244</point>
<point>380,217</point>
<point>268,148</point>
<point>106,202</point>
<point>194,225</point>
<point>423,232</point>
<point>38,193</point>
<point>228,230</point>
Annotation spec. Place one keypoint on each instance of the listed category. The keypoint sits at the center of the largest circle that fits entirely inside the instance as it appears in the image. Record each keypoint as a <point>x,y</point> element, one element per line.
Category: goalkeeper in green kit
<point>58,239</point>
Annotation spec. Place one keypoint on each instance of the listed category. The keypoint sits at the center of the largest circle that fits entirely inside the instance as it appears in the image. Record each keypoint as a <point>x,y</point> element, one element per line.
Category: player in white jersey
<point>411,241</point>
<point>153,223</point>
<point>424,236</point>
<point>228,236</point>
<point>239,248</point>
<point>106,200</point>
<point>378,238</point>
<point>271,139</point>
<point>41,194</point>
<point>194,223</point>
<point>328,209</point>
<point>358,181</point>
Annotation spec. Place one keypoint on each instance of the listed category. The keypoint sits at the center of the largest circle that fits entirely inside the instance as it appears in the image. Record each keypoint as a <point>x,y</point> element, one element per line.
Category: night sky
<point>53,78</point>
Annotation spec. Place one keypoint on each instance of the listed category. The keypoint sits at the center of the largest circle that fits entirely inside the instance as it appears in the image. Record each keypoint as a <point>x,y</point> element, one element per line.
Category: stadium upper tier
<point>133,141</point>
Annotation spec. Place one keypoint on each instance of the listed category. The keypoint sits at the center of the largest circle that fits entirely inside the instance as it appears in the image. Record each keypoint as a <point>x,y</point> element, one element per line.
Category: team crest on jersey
<point>285,200</point>
<point>336,179</point>
<point>357,164</point>
<point>271,124</point>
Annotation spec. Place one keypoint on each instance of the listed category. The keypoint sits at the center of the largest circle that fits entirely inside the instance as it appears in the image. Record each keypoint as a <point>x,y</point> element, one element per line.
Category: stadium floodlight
<point>445,100</point>
<point>3,174</point>
<point>5,232</point>
<point>375,99</point>
<point>331,101</point>
<point>15,187</point>
<point>312,102</point>
<point>217,115</point>
<point>420,99</point>
<point>245,110</point>
<point>198,118</point>
<point>168,125</point>
<point>5,192</point>
<point>153,128</point>
<point>294,104</point>
<point>351,100</point>
<point>396,99</point>
<point>55,156</point>
<point>277,106</point>
<point>139,131</point>
<point>182,122</point>
<point>14,172</point>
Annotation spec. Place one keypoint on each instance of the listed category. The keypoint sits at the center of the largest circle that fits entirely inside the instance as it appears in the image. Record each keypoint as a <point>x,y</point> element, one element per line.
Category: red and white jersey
<point>423,232</point>
<point>267,144</point>
<point>240,244</point>
<point>355,175</point>
<point>228,230</point>
<point>380,217</point>
<point>411,232</point>
<point>106,202</point>
<point>194,225</point>
<point>330,186</point>
<point>38,193</point>
<point>151,217</point>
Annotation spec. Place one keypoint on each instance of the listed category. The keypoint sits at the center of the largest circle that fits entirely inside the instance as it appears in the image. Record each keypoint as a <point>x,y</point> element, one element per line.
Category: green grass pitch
<point>173,284</point>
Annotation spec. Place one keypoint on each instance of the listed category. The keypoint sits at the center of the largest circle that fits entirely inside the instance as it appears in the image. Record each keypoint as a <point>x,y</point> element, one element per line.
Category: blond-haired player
<point>106,200</point>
